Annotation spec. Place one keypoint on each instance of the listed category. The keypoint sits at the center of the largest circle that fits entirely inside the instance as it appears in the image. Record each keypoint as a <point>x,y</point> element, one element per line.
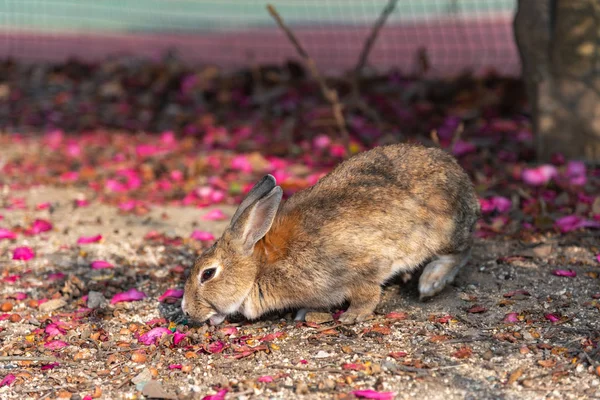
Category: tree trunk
<point>559,45</point>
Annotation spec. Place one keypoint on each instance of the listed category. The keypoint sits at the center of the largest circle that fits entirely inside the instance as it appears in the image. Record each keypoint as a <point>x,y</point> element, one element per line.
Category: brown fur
<point>381,212</point>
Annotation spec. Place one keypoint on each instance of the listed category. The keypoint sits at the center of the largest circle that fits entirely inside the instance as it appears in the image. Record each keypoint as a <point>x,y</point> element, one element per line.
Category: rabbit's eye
<point>207,274</point>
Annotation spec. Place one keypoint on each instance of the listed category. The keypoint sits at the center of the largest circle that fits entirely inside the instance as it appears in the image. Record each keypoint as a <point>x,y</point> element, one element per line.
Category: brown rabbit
<point>380,213</point>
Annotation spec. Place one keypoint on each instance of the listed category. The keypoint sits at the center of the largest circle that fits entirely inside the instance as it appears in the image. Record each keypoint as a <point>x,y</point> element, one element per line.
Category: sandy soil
<point>472,355</point>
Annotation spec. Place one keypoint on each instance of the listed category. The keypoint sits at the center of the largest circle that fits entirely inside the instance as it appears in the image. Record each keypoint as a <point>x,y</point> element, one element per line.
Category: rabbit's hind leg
<point>440,272</point>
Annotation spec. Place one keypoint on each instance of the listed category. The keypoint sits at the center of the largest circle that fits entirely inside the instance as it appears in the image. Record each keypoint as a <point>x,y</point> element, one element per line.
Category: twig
<point>308,369</point>
<point>457,135</point>
<point>329,94</point>
<point>42,359</point>
<point>435,138</point>
<point>366,50</point>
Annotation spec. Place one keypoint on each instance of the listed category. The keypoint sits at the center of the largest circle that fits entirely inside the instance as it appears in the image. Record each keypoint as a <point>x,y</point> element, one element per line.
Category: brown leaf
<point>477,309</point>
<point>515,375</point>
<point>463,352</point>
<point>547,363</point>
<point>439,338</point>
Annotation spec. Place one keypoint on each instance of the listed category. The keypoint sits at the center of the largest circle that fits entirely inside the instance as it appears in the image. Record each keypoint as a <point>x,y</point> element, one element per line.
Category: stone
<point>318,317</point>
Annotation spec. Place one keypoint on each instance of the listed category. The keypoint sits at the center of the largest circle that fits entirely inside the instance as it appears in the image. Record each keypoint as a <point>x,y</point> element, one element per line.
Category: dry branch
<point>366,50</point>
<point>329,94</point>
<point>42,359</point>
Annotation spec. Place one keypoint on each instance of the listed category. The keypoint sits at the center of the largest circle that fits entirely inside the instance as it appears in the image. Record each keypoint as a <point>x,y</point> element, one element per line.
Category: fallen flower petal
<point>18,296</point>
<point>396,315</point>
<point>99,264</point>
<point>42,206</point>
<point>175,366</point>
<point>55,344</point>
<point>372,394</point>
<point>214,215</point>
<point>6,234</point>
<point>219,396</point>
<point>130,295</point>
<point>39,226</point>
<point>354,367</point>
<point>539,176</point>
<point>574,222</point>
<point>552,317</point>
<point>171,293</point>
<point>215,347</point>
<point>511,317</point>
<point>398,354</point>
<point>153,335</point>
<point>202,236</point>
<point>46,367</point>
<point>564,272</point>
<point>8,380</point>
<point>229,330</point>
<point>477,309</point>
<point>265,379</point>
<point>23,253</point>
<point>89,239</point>
<point>178,337</point>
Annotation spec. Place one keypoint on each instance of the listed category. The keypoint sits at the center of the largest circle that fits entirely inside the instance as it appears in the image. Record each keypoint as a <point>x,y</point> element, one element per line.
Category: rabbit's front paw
<point>352,317</point>
<point>363,300</point>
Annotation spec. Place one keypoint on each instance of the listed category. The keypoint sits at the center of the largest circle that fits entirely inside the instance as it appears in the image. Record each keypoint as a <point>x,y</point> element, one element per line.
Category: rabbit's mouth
<point>216,319</point>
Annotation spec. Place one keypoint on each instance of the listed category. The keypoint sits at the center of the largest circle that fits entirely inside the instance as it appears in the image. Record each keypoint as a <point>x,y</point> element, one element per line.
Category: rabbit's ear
<point>254,223</point>
<point>260,189</point>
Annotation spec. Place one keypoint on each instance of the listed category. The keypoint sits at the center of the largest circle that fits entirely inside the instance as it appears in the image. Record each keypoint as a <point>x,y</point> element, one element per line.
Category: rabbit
<point>380,213</point>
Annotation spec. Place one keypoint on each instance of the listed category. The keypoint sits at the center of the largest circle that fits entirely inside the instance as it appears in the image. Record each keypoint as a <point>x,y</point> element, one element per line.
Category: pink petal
<point>219,396</point>
<point>495,203</point>
<point>552,318</point>
<point>46,367</point>
<point>511,317</point>
<point>171,293</point>
<point>461,148</point>
<point>321,142</point>
<point>229,330</point>
<point>153,335</point>
<point>23,253</point>
<point>89,239</point>
<point>569,273</point>
<point>215,347</point>
<point>82,203</point>
<point>99,264</point>
<point>54,330</point>
<point>6,234</point>
<point>202,236</point>
<point>8,380</point>
<point>539,176</point>
<point>18,296</point>
<point>130,295</point>
<point>598,257</point>
<point>178,337</point>
<point>574,222</point>
<point>241,163</point>
<point>372,394</point>
<point>175,366</point>
<point>265,379</point>
<point>55,277</point>
<point>214,215</point>
<point>55,344</point>
<point>42,206</point>
<point>39,226</point>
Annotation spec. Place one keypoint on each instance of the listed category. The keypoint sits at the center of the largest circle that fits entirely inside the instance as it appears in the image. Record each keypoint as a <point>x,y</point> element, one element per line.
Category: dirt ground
<point>455,346</point>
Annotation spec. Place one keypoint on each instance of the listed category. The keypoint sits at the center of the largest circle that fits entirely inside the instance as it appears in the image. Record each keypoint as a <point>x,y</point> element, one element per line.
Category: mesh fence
<point>457,34</point>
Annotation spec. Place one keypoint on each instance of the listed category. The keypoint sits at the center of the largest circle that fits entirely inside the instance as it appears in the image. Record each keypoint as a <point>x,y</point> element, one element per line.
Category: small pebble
<point>8,306</point>
<point>301,388</point>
